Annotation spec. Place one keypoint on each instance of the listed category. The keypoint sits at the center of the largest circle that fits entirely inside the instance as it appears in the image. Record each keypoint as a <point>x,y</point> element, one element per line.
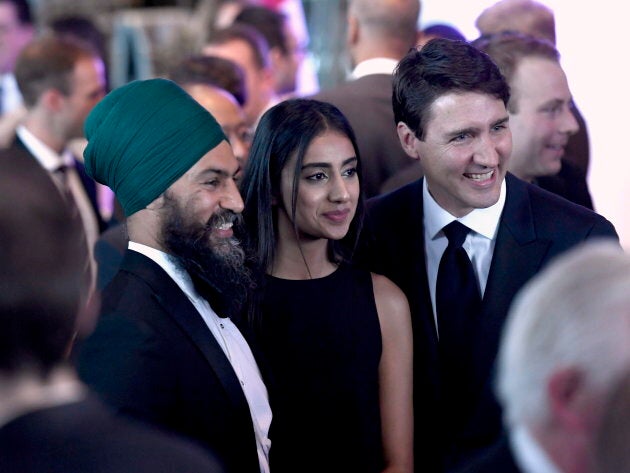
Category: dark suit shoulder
<point>554,214</point>
<point>366,86</point>
<point>101,442</point>
<point>569,183</point>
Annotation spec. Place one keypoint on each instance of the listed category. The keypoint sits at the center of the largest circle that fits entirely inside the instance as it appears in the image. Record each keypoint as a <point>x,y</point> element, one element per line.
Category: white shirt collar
<point>170,264</point>
<point>47,157</point>
<point>529,455</point>
<point>378,65</point>
<point>482,221</point>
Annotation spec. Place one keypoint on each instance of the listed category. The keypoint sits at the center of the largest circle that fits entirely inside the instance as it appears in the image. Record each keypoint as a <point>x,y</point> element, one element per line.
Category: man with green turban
<point>164,350</point>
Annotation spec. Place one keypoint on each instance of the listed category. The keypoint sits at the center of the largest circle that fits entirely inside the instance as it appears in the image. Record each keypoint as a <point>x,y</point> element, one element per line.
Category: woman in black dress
<point>337,338</point>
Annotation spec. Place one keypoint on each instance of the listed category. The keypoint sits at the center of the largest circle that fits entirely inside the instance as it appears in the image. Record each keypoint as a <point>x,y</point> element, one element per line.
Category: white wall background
<point>593,41</point>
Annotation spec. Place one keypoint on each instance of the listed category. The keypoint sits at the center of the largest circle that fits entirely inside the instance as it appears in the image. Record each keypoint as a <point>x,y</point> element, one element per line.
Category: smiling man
<point>541,112</point>
<point>164,350</point>
<point>450,106</point>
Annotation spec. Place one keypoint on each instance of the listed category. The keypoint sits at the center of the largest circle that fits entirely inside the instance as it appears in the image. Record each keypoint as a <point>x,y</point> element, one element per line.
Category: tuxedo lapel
<point>178,306</point>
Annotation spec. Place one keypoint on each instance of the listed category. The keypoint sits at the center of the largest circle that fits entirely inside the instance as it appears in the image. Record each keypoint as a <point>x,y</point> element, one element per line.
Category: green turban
<point>144,136</point>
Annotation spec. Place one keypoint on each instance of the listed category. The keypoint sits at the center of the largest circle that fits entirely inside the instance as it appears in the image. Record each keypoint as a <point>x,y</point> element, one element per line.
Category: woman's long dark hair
<point>285,131</point>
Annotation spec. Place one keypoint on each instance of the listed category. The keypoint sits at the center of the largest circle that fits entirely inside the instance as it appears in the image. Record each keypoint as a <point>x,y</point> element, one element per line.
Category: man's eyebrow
<point>502,121</point>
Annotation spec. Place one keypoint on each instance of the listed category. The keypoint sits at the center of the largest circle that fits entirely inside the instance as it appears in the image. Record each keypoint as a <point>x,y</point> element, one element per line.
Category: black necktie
<point>458,301</point>
<point>61,174</point>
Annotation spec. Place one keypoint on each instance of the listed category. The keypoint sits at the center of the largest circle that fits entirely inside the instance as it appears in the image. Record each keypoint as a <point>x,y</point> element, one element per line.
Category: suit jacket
<point>88,183</point>
<point>86,436</point>
<point>367,104</point>
<point>153,357</point>
<point>569,183</point>
<point>535,226</point>
<point>109,250</point>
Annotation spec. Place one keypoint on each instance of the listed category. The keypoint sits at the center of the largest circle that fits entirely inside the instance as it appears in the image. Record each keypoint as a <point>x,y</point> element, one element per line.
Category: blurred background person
<point>61,80</point>
<point>541,113</point>
<point>50,421</point>
<point>565,347</point>
<point>536,19</point>
<point>380,32</point>
<point>285,52</point>
<point>248,48</point>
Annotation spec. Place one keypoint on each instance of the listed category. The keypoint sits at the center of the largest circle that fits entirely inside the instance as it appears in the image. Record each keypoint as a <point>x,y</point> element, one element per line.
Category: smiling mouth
<point>479,177</point>
<point>224,226</point>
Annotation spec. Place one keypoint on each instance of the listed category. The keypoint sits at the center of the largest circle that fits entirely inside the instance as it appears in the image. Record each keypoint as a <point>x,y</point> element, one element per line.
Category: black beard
<point>217,267</point>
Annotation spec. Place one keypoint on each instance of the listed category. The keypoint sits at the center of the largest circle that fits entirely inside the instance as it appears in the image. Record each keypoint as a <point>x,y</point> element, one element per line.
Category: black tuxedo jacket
<point>535,226</point>
<point>153,357</point>
<point>88,183</point>
<point>86,436</point>
<point>367,104</point>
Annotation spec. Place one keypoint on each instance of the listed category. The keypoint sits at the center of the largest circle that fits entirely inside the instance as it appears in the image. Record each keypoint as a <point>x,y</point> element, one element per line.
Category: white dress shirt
<point>479,243</point>
<point>378,65</point>
<point>233,345</point>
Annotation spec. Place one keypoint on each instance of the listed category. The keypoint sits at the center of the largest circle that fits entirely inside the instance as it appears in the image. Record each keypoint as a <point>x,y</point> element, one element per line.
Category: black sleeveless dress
<point>322,340</point>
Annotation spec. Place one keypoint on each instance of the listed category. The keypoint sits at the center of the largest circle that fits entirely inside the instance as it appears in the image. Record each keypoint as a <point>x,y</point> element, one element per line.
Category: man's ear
<point>352,36</point>
<point>565,391</point>
<point>52,100</point>
<point>407,139</point>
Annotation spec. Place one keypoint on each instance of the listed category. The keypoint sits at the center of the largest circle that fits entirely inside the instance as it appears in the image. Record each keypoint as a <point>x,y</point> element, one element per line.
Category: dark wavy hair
<point>442,66</point>
<point>285,131</point>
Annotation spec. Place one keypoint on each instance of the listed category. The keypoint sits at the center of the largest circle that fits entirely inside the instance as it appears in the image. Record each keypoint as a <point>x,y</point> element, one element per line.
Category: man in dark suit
<point>380,32</point>
<point>541,113</point>
<point>164,350</point>
<point>538,20</point>
<point>563,352</point>
<point>450,106</point>
<point>61,81</point>
<point>49,420</point>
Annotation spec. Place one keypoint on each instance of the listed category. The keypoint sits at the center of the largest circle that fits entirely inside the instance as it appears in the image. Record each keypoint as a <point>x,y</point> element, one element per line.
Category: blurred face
<point>229,114</point>
<point>465,151</point>
<point>88,88</point>
<point>328,190</point>
<point>543,120</point>
<point>287,65</point>
<point>258,82</point>
<point>13,36</point>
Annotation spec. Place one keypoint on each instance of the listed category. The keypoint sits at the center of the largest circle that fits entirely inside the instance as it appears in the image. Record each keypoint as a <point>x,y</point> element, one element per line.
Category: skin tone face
<point>228,113</point>
<point>328,190</point>
<point>88,89</point>
<point>258,82</point>
<point>543,120</point>
<point>13,36</point>
<point>209,187</point>
<point>287,65</point>
<point>465,151</point>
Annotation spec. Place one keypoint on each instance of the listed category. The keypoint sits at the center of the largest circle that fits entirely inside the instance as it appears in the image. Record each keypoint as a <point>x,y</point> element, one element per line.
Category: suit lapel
<point>518,255</point>
<point>179,307</point>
